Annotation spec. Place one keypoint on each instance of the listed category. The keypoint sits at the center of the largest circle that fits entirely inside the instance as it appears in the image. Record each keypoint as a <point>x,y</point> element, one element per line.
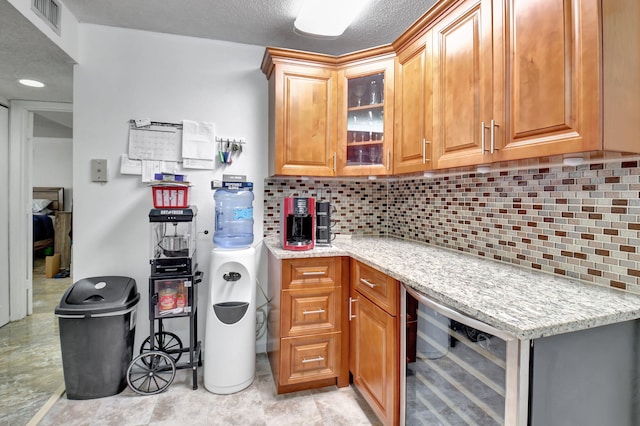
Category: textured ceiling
<point>259,22</point>
<point>24,51</point>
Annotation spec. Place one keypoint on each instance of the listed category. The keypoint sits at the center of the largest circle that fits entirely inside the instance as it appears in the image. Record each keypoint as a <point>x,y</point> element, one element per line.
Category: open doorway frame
<point>20,184</point>
<point>4,213</point>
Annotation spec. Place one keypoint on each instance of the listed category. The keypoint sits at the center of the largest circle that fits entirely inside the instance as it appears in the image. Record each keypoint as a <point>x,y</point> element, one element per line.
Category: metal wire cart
<point>173,293</point>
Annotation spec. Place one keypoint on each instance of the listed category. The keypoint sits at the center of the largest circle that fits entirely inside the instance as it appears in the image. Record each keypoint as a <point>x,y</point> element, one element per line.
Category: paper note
<point>129,166</point>
<point>198,140</point>
<point>149,169</point>
<point>192,163</point>
<point>157,142</point>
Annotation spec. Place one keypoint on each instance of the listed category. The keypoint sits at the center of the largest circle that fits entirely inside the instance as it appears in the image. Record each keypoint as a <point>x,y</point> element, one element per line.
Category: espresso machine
<point>297,223</point>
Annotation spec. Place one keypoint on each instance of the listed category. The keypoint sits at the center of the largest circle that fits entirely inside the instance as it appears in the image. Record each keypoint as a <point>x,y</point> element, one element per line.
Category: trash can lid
<point>99,295</point>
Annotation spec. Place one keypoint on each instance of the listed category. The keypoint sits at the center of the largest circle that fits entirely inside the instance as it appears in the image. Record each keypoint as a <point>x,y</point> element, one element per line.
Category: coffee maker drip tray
<point>298,242</point>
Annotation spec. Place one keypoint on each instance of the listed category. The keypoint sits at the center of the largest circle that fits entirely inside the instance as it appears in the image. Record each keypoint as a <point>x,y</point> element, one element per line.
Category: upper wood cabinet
<point>516,80</point>
<point>302,118</point>
<point>462,84</point>
<point>328,115</point>
<point>412,147</point>
<point>474,82</point>
<point>547,93</point>
<point>365,118</point>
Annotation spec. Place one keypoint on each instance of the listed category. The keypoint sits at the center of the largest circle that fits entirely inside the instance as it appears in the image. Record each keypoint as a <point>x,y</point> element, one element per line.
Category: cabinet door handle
<point>335,161</point>
<point>493,136</point>
<point>482,141</point>
<point>317,311</point>
<point>425,142</point>
<point>351,300</point>
<point>369,283</point>
<point>388,159</point>
<point>316,359</point>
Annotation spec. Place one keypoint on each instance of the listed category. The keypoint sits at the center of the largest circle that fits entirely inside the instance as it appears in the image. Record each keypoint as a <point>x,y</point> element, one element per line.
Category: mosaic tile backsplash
<point>580,222</point>
<point>360,207</point>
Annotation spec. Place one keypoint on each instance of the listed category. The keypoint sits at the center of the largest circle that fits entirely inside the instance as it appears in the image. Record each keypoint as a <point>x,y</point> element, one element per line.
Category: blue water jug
<point>234,215</point>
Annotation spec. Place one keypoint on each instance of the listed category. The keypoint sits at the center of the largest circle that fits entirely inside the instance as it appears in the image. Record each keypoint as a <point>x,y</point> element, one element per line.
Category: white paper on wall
<point>149,169</point>
<point>155,142</point>
<point>129,166</point>
<point>192,163</point>
<point>170,167</point>
<point>198,140</point>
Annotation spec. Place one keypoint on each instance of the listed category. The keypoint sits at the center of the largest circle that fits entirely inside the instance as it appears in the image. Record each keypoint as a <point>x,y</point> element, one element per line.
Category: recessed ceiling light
<point>30,83</point>
<point>326,18</point>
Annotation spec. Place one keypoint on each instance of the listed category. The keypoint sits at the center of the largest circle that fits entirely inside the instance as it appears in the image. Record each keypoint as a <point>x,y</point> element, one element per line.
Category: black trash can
<point>97,320</point>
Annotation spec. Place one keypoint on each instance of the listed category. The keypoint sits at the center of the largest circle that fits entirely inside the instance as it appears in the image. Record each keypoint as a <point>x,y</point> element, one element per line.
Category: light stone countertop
<point>525,303</point>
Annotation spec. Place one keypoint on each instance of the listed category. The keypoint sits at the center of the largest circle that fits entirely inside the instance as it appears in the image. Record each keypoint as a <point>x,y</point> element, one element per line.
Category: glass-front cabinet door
<point>365,119</point>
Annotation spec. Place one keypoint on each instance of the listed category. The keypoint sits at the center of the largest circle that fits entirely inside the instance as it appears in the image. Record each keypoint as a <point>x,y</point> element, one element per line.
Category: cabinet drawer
<point>378,287</point>
<point>316,272</point>
<point>310,311</point>
<point>310,358</point>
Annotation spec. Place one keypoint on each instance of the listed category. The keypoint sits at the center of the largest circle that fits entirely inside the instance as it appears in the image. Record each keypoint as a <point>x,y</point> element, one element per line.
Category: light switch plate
<point>98,170</point>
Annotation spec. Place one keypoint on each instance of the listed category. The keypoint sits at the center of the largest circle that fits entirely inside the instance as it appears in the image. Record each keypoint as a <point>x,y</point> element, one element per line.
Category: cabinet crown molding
<point>277,55</point>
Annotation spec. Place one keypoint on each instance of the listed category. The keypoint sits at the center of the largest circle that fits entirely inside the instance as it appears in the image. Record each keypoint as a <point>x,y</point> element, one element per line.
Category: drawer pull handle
<point>316,359</point>
<point>311,273</point>
<point>317,311</point>
<point>369,283</point>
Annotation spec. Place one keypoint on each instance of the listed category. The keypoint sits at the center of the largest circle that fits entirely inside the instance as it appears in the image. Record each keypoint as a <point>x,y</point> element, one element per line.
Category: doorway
<point>21,145</point>
<point>4,216</point>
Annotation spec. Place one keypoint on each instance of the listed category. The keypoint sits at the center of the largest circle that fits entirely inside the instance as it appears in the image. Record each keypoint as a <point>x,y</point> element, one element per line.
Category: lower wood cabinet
<point>374,340</point>
<point>307,339</point>
<point>331,316</point>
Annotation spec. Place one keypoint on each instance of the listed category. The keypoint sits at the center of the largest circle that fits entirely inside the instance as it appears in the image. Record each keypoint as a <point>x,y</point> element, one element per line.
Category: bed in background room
<point>47,201</point>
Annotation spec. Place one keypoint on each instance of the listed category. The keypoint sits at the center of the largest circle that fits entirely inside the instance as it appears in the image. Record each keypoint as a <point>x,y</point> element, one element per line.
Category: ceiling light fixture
<point>30,83</point>
<point>326,19</point>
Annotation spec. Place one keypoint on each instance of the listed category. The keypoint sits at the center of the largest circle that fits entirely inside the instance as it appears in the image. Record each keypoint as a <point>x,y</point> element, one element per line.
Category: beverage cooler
<point>459,370</point>
<point>456,367</point>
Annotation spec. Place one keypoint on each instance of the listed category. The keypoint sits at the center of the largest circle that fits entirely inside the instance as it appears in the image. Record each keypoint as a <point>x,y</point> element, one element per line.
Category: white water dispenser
<point>230,330</point>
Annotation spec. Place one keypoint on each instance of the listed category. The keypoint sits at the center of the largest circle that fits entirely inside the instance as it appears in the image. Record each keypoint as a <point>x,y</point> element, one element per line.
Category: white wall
<point>53,166</point>
<point>124,74</point>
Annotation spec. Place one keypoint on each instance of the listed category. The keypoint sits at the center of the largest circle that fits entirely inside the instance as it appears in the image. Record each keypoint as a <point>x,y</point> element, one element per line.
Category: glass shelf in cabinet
<point>366,107</point>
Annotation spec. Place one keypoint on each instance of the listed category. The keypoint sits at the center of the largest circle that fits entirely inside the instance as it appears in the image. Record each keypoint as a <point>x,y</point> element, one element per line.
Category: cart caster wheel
<point>165,342</point>
<point>151,373</point>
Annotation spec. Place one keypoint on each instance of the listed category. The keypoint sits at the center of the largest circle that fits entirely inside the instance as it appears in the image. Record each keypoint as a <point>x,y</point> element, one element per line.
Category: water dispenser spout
<point>232,276</point>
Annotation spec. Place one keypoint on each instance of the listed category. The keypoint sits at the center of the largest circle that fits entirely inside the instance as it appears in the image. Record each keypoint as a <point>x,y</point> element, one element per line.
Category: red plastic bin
<point>173,196</point>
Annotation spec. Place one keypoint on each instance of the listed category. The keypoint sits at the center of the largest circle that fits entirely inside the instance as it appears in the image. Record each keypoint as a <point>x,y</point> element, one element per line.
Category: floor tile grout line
<point>47,406</point>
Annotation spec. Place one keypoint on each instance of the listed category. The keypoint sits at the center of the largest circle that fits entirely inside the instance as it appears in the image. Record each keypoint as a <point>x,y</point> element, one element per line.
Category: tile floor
<point>30,360</point>
<point>31,372</point>
<point>256,405</point>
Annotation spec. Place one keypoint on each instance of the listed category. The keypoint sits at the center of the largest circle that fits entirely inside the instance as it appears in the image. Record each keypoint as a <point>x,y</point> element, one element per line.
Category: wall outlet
<point>98,170</point>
